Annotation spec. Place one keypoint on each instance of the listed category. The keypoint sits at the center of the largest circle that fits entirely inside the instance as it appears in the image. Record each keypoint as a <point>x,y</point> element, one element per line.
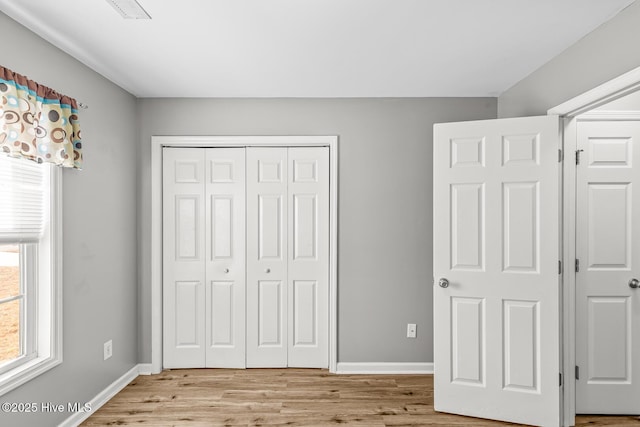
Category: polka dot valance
<point>38,123</point>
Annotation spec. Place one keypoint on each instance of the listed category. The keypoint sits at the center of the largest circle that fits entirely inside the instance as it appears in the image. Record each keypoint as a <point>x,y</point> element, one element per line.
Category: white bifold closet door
<point>256,300</point>
<point>287,257</point>
<point>203,257</point>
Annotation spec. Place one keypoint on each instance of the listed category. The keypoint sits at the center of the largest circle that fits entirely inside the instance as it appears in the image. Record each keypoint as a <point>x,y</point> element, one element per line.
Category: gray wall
<point>609,51</point>
<point>99,284</point>
<point>385,208</point>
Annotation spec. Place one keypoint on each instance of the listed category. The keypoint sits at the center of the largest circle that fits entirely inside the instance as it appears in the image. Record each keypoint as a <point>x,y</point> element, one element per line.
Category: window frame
<point>27,297</point>
<point>43,340</point>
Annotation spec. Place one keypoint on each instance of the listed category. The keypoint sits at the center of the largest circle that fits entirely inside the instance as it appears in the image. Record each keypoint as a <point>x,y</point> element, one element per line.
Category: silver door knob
<point>634,283</point>
<point>226,270</point>
<point>443,283</point>
<point>268,270</point>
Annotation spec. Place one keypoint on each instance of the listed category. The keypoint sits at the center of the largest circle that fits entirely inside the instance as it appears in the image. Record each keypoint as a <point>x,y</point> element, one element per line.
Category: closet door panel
<point>225,257</point>
<point>246,257</point>
<point>183,212</point>
<point>267,249</point>
<point>308,257</point>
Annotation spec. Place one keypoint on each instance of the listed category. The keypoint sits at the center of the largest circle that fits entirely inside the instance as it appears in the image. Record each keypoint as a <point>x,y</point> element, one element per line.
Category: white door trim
<point>158,142</point>
<point>609,116</point>
<point>618,87</point>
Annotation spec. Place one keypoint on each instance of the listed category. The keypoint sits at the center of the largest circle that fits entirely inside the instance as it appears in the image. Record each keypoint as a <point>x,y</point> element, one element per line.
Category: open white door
<point>496,265</point>
<point>608,250</point>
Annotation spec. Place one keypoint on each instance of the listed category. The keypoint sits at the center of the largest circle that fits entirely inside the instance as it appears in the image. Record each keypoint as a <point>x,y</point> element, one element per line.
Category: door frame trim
<point>159,142</point>
<point>611,90</point>
<point>569,113</point>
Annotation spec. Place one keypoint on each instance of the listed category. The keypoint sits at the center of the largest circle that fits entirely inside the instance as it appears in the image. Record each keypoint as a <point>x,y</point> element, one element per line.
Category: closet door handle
<point>226,270</point>
<point>268,270</point>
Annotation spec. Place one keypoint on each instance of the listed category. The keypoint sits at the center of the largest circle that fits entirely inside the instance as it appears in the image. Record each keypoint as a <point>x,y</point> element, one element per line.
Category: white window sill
<point>25,372</point>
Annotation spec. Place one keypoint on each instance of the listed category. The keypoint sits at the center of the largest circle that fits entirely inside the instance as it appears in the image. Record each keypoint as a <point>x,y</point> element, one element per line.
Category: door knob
<point>226,270</point>
<point>443,283</point>
<point>268,270</point>
<point>634,283</point>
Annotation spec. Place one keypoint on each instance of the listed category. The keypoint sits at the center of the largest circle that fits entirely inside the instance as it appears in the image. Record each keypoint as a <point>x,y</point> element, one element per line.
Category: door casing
<point>569,111</point>
<point>157,143</point>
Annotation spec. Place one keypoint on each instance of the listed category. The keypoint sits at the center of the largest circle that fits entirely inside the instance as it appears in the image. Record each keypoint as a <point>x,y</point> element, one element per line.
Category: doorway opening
<point>598,139</point>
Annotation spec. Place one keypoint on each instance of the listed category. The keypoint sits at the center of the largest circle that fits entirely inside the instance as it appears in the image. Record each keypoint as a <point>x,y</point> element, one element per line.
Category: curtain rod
<point>83,106</point>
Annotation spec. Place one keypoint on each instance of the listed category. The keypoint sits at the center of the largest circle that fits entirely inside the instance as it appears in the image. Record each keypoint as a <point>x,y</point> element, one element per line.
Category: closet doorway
<point>248,260</point>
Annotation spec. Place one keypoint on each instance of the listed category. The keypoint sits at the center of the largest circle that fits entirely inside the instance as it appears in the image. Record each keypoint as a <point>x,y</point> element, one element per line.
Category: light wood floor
<point>293,397</point>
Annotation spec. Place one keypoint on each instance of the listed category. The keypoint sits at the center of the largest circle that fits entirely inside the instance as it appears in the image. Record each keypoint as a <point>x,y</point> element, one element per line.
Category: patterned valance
<point>38,123</point>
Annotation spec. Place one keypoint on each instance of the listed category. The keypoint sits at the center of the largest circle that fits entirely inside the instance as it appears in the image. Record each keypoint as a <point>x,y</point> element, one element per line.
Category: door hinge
<point>560,155</point>
<point>577,372</point>
<point>577,265</point>
<point>578,156</point>
<point>560,380</point>
<point>559,267</point>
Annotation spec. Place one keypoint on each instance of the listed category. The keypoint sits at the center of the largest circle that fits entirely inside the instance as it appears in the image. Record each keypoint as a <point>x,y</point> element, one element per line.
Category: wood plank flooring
<point>292,397</point>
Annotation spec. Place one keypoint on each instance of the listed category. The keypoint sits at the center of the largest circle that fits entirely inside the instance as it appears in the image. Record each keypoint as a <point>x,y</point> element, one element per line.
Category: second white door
<point>608,250</point>
<point>287,257</point>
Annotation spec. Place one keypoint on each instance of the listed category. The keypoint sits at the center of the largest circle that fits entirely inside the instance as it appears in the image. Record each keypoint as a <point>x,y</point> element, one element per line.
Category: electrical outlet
<point>411,330</point>
<point>108,349</point>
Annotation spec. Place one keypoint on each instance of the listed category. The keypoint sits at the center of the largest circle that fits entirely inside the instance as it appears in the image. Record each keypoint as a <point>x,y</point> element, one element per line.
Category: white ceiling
<point>315,48</point>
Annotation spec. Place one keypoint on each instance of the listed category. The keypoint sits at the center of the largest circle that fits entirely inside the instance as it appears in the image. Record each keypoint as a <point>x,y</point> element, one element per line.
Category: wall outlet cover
<point>411,330</point>
<point>108,349</point>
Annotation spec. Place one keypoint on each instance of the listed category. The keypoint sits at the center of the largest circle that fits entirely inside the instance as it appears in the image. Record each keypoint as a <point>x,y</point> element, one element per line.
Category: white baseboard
<point>146,369</point>
<point>102,397</point>
<point>384,368</point>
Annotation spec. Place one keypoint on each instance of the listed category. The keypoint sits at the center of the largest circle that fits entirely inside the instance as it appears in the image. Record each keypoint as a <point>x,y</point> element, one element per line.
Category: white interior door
<point>225,258</point>
<point>308,257</point>
<point>608,250</point>
<point>267,254</point>
<point>496,242</point>
<point>183,278</point>
<point>232,300</point>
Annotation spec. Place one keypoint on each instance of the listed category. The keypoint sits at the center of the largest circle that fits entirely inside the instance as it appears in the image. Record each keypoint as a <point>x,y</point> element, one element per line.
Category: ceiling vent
<point>129,9</point>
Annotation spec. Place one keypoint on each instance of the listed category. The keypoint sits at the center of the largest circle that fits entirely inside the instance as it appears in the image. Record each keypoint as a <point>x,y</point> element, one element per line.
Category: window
<point>30,254</point>
<point>18,289</point>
